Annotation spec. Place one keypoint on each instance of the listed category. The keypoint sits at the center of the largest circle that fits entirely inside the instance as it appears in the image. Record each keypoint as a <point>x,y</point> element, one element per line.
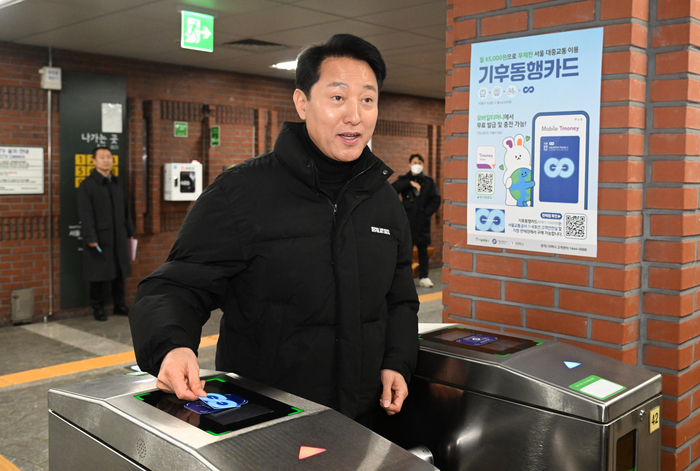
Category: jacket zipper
<point>335,211</point>
<point>334,206</point>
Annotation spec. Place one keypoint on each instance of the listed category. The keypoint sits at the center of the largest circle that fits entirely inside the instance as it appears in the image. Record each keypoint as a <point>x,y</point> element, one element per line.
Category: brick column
<point>261,131</point>
<point>636,301</point>
<point>672,344</point>
<point>275,126</point>
<point>137,183</point>
<point>155,173</point>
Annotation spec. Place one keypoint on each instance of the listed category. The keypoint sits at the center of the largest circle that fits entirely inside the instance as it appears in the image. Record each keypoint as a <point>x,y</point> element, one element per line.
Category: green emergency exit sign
<point>215,136</point>
<point>180,129</point>
<point>197,31</point>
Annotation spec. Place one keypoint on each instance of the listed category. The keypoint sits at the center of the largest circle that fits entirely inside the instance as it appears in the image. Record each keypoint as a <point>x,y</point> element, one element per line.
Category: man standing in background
<point>106,228</point>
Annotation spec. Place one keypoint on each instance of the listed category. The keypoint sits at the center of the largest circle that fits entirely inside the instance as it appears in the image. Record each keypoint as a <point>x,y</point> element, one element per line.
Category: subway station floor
<point>37,357</point>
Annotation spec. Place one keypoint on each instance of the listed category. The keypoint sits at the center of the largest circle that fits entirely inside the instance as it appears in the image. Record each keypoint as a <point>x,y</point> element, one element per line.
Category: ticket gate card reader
<point>487,400</point>
<point>124,423</point>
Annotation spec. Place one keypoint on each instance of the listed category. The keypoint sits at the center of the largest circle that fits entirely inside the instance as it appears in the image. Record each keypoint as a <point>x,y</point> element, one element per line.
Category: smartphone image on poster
<point>560,158</point>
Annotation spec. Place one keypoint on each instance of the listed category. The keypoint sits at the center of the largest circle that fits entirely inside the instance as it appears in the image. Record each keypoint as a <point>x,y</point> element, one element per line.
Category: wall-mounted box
<point>182,181</point>
<point>22,305</point>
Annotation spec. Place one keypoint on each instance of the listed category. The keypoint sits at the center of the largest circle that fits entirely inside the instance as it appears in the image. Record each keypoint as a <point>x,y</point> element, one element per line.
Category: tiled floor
<point>23,407</point>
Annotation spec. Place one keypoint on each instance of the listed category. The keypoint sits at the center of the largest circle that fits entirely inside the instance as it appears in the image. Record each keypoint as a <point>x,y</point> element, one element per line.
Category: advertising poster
<point>534,119</point>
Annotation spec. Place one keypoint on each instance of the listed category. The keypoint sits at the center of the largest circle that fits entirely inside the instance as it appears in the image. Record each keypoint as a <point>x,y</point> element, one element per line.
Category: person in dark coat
<point>307,252</point>
<point>421,199</point>
<point>106,228</point>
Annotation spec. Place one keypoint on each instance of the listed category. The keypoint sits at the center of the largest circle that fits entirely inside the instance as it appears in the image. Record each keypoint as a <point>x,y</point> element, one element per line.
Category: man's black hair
<point>416,156</point>
<point>341,45</point>
<point>94,152</point>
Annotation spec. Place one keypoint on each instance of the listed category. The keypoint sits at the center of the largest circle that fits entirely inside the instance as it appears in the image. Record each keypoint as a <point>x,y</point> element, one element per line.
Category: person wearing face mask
<point>421,199</point>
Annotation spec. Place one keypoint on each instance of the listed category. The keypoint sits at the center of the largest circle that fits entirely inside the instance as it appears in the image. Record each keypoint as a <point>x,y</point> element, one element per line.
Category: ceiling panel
<point>277,18</point>
<point>410,17</point>
<point>169,10</point>
<point>358,8</point>
<point>36,16</point>
<point>300,37</point>
<point>435,31</point>
<point>409,33</point>
<point>107,5</point>
<point>90,35</point>
<point>399,40</point>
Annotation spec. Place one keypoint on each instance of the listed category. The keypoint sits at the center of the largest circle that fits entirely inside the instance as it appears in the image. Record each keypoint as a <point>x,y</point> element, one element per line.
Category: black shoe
<point>100,314</point>
<point>121,310</point>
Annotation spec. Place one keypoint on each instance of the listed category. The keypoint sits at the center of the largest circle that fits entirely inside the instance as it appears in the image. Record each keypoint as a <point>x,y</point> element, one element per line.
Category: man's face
<point>103,160</point>
<point>342,111</point>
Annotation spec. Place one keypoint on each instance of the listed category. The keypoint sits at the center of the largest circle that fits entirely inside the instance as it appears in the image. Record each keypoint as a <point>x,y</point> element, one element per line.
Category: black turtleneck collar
<point>332,174</point>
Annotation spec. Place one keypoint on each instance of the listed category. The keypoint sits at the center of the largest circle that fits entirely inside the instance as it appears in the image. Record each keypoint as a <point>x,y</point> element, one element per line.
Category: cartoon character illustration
<point>517,157</point>
<point>521,187</point>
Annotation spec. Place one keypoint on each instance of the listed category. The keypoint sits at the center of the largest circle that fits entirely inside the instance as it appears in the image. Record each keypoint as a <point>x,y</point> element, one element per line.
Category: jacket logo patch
<point>381,230</point>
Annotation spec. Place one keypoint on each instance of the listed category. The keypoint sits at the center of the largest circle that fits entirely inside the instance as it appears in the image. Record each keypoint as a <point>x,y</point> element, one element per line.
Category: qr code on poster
<point>575,226</point>
<point>484,183</point>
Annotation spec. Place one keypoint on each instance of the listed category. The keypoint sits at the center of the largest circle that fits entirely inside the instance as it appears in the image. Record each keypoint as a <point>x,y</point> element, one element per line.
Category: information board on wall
<point>534,122</point>
<point>21,170</point>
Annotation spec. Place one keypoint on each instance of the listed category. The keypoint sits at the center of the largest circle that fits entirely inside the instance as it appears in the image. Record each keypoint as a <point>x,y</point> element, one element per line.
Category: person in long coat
<point>106,228</point>
<point>421,199</point>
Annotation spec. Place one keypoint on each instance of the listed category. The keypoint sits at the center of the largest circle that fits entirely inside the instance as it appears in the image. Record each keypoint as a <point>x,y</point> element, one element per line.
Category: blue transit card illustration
<point>214,402</point>
<point>477,340</point>
<point>559,169</point>
<point>199,407</point>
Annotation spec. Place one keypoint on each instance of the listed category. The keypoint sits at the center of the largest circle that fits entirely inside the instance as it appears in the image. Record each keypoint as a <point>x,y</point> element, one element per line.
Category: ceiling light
<point>7,3</point>
<point>291,65</point>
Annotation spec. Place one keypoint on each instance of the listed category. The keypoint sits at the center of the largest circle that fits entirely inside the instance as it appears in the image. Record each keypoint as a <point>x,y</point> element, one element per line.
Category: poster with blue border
<point>534,122</point>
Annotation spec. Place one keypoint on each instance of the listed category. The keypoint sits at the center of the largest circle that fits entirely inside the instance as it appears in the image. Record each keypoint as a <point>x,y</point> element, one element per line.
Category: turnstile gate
<point>124,423</point>
<point>484,401</point>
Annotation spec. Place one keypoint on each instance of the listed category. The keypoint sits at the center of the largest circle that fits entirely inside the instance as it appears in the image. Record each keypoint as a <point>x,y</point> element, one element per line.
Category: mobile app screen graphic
<point>559,169</point>
<point>486,157</point>
<point>560,158</point>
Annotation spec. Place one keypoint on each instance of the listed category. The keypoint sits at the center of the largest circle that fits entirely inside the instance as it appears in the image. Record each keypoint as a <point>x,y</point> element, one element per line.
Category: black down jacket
<point>105,219</point>
<point>317,297</point>
<point>419,207</point>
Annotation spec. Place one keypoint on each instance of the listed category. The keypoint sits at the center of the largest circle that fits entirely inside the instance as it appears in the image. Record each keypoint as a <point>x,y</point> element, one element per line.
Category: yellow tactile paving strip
<point>79,366</point>
<point>7,466</point>
<point>108,360</point>
<point>430,297</point>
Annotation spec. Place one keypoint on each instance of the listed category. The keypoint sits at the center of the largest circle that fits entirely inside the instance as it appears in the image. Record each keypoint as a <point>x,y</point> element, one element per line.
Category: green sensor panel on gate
<point>258,408</point>
<point>470,339</point>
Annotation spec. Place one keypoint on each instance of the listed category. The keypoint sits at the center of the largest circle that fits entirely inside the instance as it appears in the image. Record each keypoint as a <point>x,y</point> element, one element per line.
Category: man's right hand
<point>179,374</point>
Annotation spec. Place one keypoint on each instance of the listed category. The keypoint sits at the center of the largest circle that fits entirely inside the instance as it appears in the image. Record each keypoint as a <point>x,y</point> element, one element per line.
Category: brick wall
<point>636,301</point>
<point>249,109</point>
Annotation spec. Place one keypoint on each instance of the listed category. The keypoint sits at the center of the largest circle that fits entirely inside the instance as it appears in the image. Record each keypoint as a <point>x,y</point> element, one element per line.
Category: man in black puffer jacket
<point>306,250</point>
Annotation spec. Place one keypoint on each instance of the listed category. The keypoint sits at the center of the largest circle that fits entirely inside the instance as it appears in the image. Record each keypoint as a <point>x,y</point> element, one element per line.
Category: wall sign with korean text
<point>21,170</point>
<point>534,121</point>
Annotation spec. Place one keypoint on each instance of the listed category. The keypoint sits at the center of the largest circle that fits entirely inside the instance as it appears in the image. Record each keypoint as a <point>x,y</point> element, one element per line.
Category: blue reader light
<point>572,364</point>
